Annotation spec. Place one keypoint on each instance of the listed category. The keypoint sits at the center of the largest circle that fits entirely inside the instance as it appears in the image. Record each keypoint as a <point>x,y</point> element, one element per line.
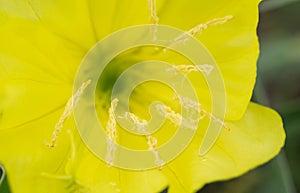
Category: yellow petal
<point>26,156</point>
<point>102,178</point>
<point>34,167</point>
<point>252,141</point>
<point>114,15</point>
<point>233,44</point>
<point>68,19</point>
<point>38,71</point>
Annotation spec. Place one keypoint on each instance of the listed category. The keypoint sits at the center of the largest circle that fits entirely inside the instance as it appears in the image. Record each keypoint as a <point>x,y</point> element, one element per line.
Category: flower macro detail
<point>135,96</point>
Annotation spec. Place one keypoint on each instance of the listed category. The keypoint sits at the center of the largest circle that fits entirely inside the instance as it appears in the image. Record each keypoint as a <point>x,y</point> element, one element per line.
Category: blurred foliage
<point>3,181</point>
<point>268,5</point>
<point>278,86</point>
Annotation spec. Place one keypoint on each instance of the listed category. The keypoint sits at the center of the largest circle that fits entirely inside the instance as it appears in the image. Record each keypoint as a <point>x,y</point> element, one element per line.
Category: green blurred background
<point>278,86</point>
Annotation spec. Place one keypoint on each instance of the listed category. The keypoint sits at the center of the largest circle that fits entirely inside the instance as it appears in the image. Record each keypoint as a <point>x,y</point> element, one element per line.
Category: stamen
<point>158,161</point>
<point>169,114</point>
<point>151,141</point>
<point>205,68</point>
<point>111,149</point>
<point>188,104</point>
<point>111,124</point>
<point>215,119</point>
<point>190,122</point>
<point>217,21</point>
<point>111,129</point>
<point>153,18</point>
<point>69,108</point>
<point>198,29</point>
<point>141,124</point>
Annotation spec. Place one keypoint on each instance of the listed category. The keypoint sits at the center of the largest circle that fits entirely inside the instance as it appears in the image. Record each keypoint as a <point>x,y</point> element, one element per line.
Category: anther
<point>169,114</point>
<point>69,108</point>
<point>111,124</point>
<point>198,29</point>
<point>151,141</point>
<point>205,68</point>
<point>141,124</point>
<point>217,21</point>
<point>190,104</point>
<point>215,119</point>
<point>111,129</point>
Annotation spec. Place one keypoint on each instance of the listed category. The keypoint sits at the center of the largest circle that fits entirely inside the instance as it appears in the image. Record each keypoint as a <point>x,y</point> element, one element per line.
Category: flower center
<point>144,94</point>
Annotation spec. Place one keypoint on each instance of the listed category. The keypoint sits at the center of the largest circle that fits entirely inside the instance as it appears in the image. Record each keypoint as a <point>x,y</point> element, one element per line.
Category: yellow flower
<point>42,46</point>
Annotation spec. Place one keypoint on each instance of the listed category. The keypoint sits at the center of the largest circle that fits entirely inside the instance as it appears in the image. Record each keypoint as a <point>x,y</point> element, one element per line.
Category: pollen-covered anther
<point>186,69</point>
<point>112,124</point>
<point>141,124</point>
<point>215,119</point>
<point>195,106</point>
<point>205,68</point>
<point>217,21</point>
<point>152,142</point>
<point>189,104</point>
<point>111,129</point>
<point>199,28</point>
<point>170,114</point>
<point>69,108</point>
<point>153,18</point>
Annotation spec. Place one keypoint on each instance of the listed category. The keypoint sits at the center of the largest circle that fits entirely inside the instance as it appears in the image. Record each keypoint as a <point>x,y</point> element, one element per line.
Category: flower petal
<point>27,158</point>
<point>252,141</point>
<point>69,19</point>
<point>37,67</point>
<point>115,15</point>
<point>102,178</point>
<point>25,154</point>
<point>233,44</point>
